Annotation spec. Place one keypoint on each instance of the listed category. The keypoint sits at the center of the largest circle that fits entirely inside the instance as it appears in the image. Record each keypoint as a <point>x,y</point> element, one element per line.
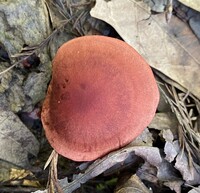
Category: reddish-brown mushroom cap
<point>102,95</point>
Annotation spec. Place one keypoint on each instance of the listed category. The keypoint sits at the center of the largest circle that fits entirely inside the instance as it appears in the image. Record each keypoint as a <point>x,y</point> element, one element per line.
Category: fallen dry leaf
<point>132,185</point>
<point>23,23</point>
<point>167,172</point>
<point>189,173</point>
<point>174,185</point>
<point>147,172</point>
<point>157,5</point>
<point>168,135</point>
<point>170,150</point>
<point>171,145</point>
<point>16,141</point>
<point>174,152</point>
<point>195,190</point>
<point>149,154</point>
<point>193,4</point>
<point>171,48</point>
<point>164,121</point>
<point>144,139</point>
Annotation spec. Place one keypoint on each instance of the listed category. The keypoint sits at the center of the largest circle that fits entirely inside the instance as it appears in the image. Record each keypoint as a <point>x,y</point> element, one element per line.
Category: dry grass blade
<point>77,25</point>
<point>68,10</point>
<point>53,174</point>
<point>50,159</point>
<point>185,106</point>
<point>63,9</point>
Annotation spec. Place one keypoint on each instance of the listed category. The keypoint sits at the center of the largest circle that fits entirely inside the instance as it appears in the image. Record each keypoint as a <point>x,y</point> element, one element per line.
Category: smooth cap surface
<point>102,95</point>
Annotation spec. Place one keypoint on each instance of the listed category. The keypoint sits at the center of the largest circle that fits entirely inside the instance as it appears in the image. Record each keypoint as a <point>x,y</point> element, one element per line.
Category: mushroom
<point>102,96</point>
